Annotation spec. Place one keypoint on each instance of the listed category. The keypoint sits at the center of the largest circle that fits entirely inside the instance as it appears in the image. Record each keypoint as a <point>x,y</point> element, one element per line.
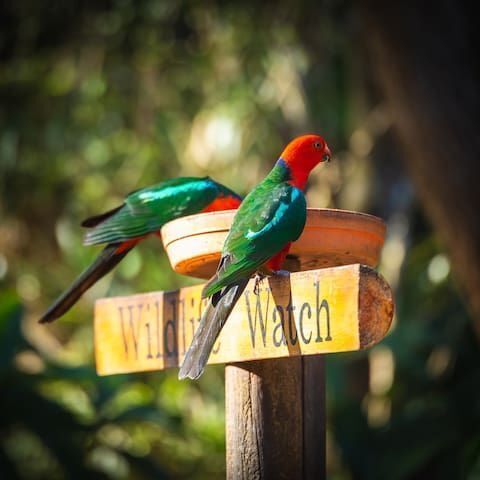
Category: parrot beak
<point>327,155</point>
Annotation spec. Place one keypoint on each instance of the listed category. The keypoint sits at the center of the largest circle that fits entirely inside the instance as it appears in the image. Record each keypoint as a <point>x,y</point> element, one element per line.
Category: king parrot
<point>270,218</point>
<point>144,212</point>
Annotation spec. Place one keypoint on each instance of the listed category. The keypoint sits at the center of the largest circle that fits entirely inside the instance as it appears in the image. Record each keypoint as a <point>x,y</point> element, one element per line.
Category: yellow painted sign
<point>310,312</point>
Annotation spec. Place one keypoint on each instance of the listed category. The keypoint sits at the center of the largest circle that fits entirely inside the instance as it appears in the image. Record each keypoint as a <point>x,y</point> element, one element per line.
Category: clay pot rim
<point>176,229</point>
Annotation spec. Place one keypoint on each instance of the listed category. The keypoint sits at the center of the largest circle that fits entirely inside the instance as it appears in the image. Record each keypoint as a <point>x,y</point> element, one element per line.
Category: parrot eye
<point>317,144</point>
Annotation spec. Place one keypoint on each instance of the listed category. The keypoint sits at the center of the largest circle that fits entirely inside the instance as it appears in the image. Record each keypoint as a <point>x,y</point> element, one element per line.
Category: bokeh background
<point>99,98</point>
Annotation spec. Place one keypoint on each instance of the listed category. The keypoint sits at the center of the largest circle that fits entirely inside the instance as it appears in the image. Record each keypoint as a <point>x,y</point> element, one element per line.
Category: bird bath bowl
<point>331,238</point>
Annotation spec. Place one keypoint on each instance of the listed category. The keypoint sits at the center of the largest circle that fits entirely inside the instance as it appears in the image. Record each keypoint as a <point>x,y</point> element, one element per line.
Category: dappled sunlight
<point>214,141</point>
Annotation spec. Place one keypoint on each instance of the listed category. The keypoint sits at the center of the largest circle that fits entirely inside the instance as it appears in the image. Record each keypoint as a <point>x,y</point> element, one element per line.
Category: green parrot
<point>143,213</point>
<point>271,217</point>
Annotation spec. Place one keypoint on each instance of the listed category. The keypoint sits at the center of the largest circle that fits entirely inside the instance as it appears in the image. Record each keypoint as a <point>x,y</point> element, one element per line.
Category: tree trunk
<point>424,60</point>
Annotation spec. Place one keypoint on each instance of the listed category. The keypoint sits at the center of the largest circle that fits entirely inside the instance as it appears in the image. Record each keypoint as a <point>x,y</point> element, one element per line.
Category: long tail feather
<point>104,263</point>
<point>213,319</point>
<point>97,219</point>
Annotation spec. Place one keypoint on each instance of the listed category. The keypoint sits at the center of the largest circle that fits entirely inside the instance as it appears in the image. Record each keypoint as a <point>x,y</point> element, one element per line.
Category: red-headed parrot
<point>144,212</point>
<point>270,218</point>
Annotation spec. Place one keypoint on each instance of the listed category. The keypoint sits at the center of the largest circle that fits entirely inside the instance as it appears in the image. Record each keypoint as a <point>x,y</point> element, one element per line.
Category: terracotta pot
<point>331,238</point>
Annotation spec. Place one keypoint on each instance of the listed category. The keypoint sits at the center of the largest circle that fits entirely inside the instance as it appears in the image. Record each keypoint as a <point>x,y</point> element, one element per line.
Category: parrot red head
<point>302,154</point>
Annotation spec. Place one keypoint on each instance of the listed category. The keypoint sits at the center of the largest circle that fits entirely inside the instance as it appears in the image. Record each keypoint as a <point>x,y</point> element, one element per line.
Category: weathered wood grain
<point>312,312</point>
<point>314,418</point>
<point>264,410</point>
<point>275,419</point>
<point>375,304</point>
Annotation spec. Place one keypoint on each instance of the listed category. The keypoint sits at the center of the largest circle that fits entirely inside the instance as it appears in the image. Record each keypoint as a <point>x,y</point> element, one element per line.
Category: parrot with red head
<point>143,213</point>
<point>271,217</point>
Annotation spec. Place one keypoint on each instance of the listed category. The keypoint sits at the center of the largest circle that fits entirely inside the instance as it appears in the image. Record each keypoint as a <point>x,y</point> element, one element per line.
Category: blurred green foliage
<point>424,423</point>
<point>60,421</point>
<point>100,98</point>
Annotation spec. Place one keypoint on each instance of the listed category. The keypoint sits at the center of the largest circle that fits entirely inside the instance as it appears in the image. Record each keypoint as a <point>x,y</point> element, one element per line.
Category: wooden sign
<point>319,311</point>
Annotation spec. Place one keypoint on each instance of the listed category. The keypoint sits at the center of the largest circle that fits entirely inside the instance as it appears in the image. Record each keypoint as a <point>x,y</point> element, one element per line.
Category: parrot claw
<point>258,279</point>
<point>282,273</point>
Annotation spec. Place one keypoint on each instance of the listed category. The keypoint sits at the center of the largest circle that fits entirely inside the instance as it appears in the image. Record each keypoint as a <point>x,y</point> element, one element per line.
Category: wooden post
<point>275,427</point>
<point>275,409</point>
<point>275,390</point>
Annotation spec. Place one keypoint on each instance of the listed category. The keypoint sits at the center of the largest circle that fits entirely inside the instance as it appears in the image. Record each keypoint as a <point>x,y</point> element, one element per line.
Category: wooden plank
<point>275,419</point>
<point>318,311</point>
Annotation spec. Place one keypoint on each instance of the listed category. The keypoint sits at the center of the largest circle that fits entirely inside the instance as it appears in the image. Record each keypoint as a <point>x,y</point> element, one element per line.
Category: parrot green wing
<point>270,217</point>
<point>147,210</point>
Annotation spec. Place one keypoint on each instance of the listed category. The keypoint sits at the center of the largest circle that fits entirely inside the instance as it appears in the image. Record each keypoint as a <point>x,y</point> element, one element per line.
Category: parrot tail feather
<point>110,256</point>
<point>220,306</point>
<point>91,222</point>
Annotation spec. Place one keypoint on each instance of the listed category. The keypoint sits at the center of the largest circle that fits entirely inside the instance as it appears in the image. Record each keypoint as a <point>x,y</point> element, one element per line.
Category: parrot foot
<point>258,277</point>
<point>282,273</point>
